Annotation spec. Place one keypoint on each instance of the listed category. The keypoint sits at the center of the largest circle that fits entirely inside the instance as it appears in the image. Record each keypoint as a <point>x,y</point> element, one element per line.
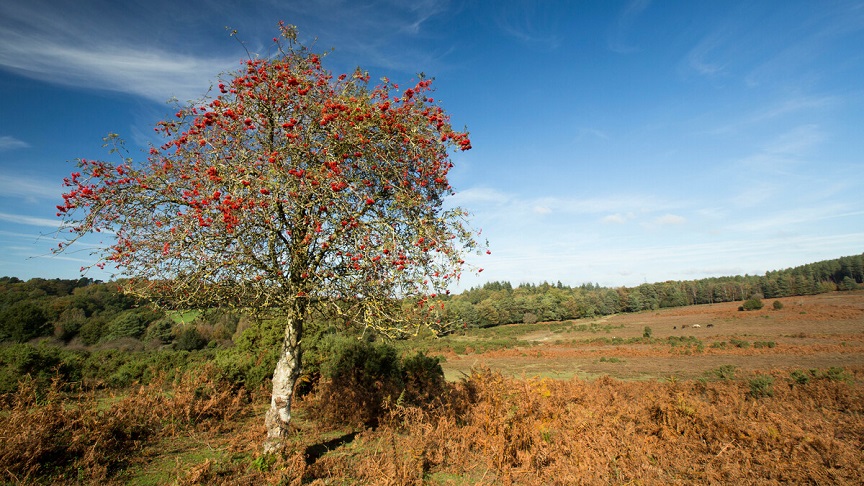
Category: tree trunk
<point>284,378</point>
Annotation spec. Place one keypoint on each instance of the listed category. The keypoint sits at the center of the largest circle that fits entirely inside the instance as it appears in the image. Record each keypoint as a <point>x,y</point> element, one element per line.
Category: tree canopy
<point>289,189</point>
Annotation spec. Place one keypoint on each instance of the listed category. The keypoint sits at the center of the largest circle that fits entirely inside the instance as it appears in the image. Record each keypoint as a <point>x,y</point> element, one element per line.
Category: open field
<point>680,407</point>
<point>819,331</point>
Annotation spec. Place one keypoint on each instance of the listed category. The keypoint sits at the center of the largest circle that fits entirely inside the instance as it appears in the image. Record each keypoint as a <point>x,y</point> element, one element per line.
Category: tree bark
<point>284,378</point>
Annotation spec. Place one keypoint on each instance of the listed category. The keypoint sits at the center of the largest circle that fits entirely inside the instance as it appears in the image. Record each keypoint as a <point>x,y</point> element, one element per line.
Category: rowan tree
<point>285,191</point>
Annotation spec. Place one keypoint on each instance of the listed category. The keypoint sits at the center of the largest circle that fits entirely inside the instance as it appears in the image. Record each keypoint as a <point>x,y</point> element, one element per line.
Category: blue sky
<point>615,142</point>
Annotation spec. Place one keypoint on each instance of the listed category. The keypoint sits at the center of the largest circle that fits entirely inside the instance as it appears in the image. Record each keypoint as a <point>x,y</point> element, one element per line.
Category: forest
<point>86,313</point>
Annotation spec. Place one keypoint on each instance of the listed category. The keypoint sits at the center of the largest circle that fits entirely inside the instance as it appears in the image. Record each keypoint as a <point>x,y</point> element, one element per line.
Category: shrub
<point>23,321</point>
<point>69,323</point>
<point>836,373</point>
<point>423,378</point>
<point>764,344</point>
<point>361,378</point>
<point>761,386</point>
<point>753,303</point>
<point>777,305</point>
<point>739,343</point>
<point>129,323</point>
<point>93,330</point>
<point>160,331</point>
<point>248,369</point>
<point>800,377</point>
<point>726,372</point>
<point>190,339</point>
<point>646,333</point>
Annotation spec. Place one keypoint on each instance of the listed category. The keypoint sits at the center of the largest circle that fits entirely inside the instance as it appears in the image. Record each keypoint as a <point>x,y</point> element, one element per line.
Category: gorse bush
<point>761,386</point>
<point>753,303</point>
<point>360,379</point>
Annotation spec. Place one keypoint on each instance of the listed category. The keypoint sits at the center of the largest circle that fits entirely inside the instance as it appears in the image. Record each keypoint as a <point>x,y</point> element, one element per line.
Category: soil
<point>810,332</point>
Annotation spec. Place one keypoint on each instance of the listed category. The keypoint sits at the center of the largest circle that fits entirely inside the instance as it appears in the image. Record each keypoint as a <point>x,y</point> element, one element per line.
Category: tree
<point>291,190</point>
<point>23,321</point>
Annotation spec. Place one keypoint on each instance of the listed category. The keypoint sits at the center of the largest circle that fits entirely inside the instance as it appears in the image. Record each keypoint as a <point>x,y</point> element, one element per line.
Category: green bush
<point>42,363</point>
<point>250,370</point>
<point>92,330</point>
<point>836,373</point>
<point>23,321</point>
<point>777,305</point>
<point>800,377</point>
<point>753,303</point>
<point>761,386</point>
<point>361,378</point>
<point>69,323</point>
<point>725,372</point>
<point>160,331</point>
<point>129,323</point>
<point>423,378</point>
<point>647,332</point>
<point>190,339</point>
<point>739,343</point>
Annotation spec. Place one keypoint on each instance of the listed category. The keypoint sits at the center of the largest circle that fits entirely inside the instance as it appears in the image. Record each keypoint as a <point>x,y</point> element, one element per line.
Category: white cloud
<point>155,74</point>
<point>704,59</point>
<point>533,23</point>
<point>618,218</point>
<point>617,39</point>
<point>670,219</point>
<point>18,186</point>
<point>480,195</point>
<point>64,46</point>
<point>10,143</point>
<point>30,220</point>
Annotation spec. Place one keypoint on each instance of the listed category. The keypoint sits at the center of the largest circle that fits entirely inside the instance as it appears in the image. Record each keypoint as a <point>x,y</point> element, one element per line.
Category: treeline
<point>90,313</point>
<point>499,303</point>
<point>83,312</point>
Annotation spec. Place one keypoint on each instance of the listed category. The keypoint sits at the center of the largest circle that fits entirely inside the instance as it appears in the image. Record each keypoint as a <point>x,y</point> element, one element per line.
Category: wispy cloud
<point>618,218</point>
<point>790,219</point>
<point>618,36</point>
<point>508,206</point>
<point>63,44</point>
<point>669,219</point>
<point>782,152</point>
<point>29,220</point>
<point>20,186</point>
<point>386,34</point>
<point>530,22</point>
<point>705,58</point>
<point>782,109</point>
<point>10,143</point>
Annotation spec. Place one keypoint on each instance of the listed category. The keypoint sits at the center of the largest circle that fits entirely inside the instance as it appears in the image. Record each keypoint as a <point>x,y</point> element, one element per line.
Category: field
<point>759,397</point>
<point>820,331</point>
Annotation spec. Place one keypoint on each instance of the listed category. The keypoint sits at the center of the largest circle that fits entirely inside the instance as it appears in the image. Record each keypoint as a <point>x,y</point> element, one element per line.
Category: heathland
<point>706,393</point>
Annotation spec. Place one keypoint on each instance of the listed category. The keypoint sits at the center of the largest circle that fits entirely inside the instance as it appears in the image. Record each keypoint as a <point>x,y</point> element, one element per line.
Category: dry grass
<point>818,331</point>
<point>766,415</point>
<point>487,429</point>
<point>52,435</point>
